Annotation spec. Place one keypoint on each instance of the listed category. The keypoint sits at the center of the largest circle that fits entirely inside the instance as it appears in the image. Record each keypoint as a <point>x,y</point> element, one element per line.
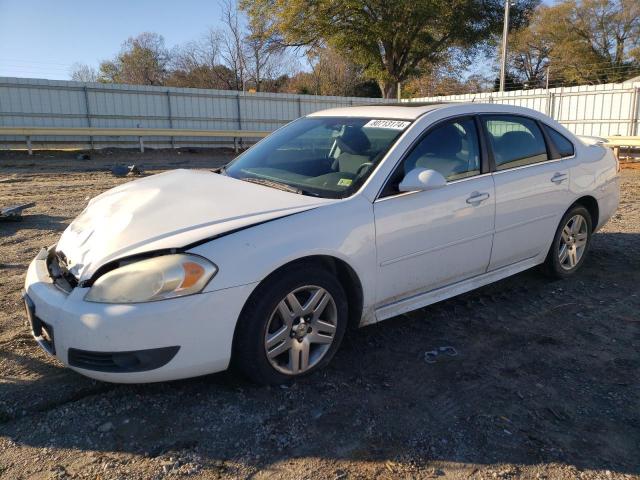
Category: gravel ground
<point>546,382</point>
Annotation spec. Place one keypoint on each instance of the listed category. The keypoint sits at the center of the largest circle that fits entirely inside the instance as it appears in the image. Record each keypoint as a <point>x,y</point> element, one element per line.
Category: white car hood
<point>169,210</point>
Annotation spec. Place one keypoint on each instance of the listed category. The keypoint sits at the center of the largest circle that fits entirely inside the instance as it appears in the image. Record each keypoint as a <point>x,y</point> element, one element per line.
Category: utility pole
<point>505,32</point>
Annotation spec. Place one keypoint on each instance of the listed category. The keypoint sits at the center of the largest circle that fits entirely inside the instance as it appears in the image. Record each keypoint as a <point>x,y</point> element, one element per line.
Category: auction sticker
<point>390,124</point>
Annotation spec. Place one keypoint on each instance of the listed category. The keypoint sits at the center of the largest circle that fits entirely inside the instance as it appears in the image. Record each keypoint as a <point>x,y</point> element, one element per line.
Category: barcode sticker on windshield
<point>390,124</point>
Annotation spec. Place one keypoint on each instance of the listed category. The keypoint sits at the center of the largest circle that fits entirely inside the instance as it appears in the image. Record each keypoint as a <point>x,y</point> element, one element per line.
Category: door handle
<point>477,197</point>
<point>559,177</point>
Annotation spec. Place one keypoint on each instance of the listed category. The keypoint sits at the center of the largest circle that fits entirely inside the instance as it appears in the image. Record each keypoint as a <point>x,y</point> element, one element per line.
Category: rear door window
<point>515,141</point>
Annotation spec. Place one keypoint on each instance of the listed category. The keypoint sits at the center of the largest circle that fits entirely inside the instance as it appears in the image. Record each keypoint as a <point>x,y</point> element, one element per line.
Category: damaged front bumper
<point>131,343</point>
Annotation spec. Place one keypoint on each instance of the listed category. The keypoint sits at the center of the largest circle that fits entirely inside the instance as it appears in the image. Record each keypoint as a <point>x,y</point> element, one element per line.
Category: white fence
<point>598,110</point>
<point>593,110</point>
<point>54,103</point>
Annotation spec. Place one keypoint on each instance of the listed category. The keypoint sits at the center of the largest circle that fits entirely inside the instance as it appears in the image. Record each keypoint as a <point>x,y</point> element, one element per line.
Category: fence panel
<point>593,110</point>
<point>598,110</point>
<point>53,103</point>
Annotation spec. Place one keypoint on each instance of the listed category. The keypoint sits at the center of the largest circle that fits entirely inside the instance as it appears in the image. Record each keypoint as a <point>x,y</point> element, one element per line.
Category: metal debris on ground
<point>135,170</point>
<point>14,212</point>
<point>431,355</point>
<point>122,171</point>
<point>83,156</point>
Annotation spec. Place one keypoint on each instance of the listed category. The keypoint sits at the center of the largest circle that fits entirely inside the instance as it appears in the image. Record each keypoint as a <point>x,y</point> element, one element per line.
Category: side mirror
<point>420,179</point>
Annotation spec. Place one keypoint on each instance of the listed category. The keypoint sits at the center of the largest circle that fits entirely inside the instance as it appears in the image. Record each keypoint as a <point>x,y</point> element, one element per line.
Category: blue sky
<point>42,39</point>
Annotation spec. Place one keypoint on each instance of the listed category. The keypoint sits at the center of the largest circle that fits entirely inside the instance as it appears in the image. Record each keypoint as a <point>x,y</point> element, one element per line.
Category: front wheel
<point>291,326</point>
<point>570,244</point>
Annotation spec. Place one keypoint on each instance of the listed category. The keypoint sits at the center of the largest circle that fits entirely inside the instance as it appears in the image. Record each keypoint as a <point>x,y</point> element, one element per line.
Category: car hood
<point>169,210</point>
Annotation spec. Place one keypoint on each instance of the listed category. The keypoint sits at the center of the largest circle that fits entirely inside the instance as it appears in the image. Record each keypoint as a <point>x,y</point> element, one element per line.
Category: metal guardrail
<point>618,141</point>
<point>29,132</point>
<point>615,142</point>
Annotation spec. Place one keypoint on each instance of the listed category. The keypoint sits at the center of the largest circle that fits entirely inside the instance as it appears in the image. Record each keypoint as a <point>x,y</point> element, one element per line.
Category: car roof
<point>399,111</point>
<point>413,110</point>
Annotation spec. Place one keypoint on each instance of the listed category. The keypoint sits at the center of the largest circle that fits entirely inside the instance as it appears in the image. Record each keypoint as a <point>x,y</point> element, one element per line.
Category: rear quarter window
<point>563,144</point>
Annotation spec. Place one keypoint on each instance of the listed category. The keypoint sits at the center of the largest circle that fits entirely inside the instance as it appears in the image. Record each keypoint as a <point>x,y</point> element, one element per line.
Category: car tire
<point>267,348</point>
<point>570,243</point>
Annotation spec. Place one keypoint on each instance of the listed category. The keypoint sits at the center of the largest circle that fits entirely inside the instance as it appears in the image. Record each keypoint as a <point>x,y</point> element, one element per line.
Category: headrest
<point>444,142</point>
<point>354,141</point>
<point>518,140</point>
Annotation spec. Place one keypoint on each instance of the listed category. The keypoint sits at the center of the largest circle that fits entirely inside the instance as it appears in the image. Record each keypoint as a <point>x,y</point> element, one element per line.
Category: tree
<point>143,60</point>
<point>332,74</point>
<point>605,31</point>
<point>233,49</point>
<point>529,51</point>
<point>197,64</point>
<point>583,41</point>
<point>389,39</point>
<point>448,77</point>
<point>265,56</point>
<point>81,72</point>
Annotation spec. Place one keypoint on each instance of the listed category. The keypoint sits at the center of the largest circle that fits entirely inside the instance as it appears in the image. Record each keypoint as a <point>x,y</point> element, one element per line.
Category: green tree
<point>583,41</point>
<point>332,74</point>
<point>529,51</point>
<point>390,40</point>
<point>143,60</point>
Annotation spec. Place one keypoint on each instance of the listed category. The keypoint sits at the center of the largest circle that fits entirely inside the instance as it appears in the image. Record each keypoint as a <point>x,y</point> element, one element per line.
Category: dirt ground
<point>546,382</point>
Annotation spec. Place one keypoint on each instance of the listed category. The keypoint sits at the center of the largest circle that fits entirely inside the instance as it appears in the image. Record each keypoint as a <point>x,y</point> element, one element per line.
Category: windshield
<point>327,157</point>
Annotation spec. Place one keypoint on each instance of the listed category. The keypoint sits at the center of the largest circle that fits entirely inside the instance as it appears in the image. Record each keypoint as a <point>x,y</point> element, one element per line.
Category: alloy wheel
<point>573,242</point>
<point>301,330</point>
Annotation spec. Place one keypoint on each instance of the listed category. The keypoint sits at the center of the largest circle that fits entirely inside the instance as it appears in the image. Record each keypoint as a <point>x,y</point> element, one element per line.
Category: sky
<point>42,39</point>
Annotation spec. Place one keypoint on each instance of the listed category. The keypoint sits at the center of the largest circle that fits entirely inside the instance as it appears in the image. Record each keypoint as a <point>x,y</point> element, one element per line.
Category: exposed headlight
<point>156,278</point>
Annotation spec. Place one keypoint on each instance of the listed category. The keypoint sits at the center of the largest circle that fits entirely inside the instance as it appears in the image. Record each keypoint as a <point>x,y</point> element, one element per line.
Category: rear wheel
<point>570,244</point>
<point>291,326</point>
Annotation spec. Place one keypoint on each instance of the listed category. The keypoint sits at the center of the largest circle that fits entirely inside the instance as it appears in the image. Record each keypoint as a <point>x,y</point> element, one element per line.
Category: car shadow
<point>540,371</point>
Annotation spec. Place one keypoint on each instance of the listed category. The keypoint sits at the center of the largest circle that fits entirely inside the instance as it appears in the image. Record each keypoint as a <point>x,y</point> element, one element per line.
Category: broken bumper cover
<point>134,343</point>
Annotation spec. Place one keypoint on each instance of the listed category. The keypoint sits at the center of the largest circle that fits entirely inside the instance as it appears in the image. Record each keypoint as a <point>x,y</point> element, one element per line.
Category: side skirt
<point>423,299</point>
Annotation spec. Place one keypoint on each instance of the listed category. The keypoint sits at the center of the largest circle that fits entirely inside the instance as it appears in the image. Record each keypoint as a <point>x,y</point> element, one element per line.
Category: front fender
<point>344,230</point>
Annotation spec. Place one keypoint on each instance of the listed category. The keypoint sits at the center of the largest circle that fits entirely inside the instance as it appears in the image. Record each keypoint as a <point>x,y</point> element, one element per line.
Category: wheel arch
<point>591,204</point>
<point>344,272</point>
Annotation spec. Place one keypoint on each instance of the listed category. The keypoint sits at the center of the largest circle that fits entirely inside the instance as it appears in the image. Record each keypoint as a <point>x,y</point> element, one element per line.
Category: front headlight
<point>156,278</point>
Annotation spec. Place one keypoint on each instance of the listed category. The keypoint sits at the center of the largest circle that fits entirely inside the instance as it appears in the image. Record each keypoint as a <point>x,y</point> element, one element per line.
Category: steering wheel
<point>363,168</point>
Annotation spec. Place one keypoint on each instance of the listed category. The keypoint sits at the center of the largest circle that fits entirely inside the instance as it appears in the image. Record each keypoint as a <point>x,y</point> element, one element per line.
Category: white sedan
<point>345,217</point>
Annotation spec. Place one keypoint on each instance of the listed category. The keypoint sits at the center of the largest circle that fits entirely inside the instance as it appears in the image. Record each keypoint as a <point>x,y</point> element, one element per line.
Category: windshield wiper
<point>273,184</point>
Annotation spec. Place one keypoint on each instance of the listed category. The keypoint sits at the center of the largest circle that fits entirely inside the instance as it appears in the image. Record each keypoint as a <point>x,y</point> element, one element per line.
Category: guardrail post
<point>170,117</point>
<point>235,145</point>
<point>29,145</point>
<point>634,113</point>
<point>88,111</point>
<point>141,144</point>
<point>551,105</point>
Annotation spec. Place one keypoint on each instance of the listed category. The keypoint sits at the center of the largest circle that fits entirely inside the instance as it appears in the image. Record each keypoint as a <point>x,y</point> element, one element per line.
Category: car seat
<point>440,152</point>
<point>354,145</point>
